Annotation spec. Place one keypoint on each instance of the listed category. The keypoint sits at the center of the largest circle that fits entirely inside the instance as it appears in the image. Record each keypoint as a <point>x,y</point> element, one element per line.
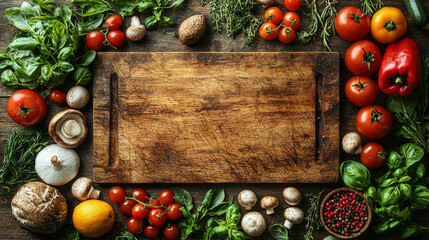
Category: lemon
<point>93,218</point>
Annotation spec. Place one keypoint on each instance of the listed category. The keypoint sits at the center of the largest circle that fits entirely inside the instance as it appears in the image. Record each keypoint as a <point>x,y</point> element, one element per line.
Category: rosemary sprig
<point>313,24</point>
<point>312,219</point>
<point>369,7</point>
<point>327,17</point>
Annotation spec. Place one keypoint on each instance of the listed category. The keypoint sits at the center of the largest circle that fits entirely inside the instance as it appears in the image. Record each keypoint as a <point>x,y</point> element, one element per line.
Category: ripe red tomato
<point>291,19</point>
<point>139,194</point>
<point>157,217</point>
<point>139,211</point>
<point>135,225</point>
<point>151,232</point>
<point>173,212</point>
<point>373,121</point>
<point>117,195</point>
<point>26,107</point>
<point>116,38</point>
<point>127,207</point>
<point>274,15</point>
<point>113,22</point>
<point>171,232</point>
<point>287,35</point>
<point>352,24</point>
<point>154,202</point>
<point>363,58</point>
<point>373,155</point>
<point>361,91</point>
<point>292,5</point>
<point>268,31</point>
<point>95,40</point>
<point>58,96</point>
<point>166,197</point>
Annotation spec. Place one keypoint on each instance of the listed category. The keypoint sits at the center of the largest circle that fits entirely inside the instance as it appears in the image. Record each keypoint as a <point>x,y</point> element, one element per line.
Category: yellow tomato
<point>388,24</point>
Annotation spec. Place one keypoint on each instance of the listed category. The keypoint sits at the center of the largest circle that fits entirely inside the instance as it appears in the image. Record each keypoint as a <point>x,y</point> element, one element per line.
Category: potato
<point>192,29</point>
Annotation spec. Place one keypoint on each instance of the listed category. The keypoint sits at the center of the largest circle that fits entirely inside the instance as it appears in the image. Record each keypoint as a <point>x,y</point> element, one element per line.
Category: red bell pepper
<point>400,69</point>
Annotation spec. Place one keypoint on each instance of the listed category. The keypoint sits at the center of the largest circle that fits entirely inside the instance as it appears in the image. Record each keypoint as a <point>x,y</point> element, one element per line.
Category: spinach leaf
<point>278,232</point>
<point>183,198</point>
<point>412,153</point>
<point>355,175</point>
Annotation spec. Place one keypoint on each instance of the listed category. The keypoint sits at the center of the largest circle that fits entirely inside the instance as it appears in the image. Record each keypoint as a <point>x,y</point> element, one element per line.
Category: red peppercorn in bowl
<point>345,213</point>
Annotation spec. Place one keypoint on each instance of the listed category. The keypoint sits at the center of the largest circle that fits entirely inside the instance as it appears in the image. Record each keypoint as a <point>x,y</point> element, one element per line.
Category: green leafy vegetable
<point>355,175</point>
<point>331,238</point>
<point>278,232</point>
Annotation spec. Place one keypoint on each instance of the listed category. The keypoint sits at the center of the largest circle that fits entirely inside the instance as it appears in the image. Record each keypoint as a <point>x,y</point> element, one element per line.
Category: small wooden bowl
<point>353,235</point>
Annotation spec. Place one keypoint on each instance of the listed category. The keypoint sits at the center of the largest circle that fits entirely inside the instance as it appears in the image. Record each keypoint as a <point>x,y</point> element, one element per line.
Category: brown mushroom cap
<point>56,128</point>
<point>269,202</point>
<point>83,189</point>
<point>39,208</point>
<point>292,196</point>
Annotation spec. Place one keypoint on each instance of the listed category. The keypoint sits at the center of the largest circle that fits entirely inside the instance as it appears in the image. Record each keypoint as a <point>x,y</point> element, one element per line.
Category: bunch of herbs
<point>312,219</point>
<point>369,7</point>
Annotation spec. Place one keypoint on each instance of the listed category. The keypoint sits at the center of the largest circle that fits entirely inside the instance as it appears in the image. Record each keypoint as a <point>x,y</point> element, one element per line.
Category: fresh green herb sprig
<point>312,219</point>
<point>235,16</point>
<point>278,232</point>
<point>126,235</point>
<point>18,162</point>
<point>157,8</point>
<point>70,232</point>
<point>369,7</point>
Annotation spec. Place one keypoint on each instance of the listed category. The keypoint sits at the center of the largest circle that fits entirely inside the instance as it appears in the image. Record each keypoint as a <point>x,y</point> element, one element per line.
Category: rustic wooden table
<point>160,42</point>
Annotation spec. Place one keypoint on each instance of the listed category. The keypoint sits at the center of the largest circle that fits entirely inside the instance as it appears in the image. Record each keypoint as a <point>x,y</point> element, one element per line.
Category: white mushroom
<point>77,97</point>
<point>292,196</point>
<point>56,165</point>
<point>39,208</point>
<point>352,143</point>
<point>68,128</point>
<point>293,215</point>
<point>269,203</point>
<point>247,199</point>
<point>265,3</point>
<point>253,223</point>
<point>83,189</point>
<point>136,30</point>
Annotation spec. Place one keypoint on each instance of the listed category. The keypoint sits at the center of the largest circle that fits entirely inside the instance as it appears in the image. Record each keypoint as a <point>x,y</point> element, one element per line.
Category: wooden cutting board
<point>216,117</point>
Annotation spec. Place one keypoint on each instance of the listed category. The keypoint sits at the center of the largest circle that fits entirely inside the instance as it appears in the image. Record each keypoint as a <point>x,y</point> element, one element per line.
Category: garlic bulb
<point>56,165</point>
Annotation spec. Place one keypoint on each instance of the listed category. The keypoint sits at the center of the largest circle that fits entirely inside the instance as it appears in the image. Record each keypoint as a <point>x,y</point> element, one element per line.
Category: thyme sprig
<point>312,219</point>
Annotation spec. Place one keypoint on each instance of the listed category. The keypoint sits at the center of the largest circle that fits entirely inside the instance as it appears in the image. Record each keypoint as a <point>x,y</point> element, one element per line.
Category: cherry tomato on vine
<point>287,35</point>
<point>58,96</point>
<point>268,31</point>
<point>352,24</point>
<point>151,232</point>
<point>173,212</point>
<point>139,194</point>
<point>113,22</point>
<point>95,40</point>
<point>171,232</point>
<point>116,38</point>
<point>166,197</point>
<point>157,217</point>
<point>361,91</point>
<point>373,121</point>
<point>274,15</point>
<point>154,202</point>
<point>292,5</point>
<point>26,107</point>
<point>373,155</point>
<point>139,211</point>
<point>127,207</point>
<point>291,19</point>
<point>363,58</point>
<point>117,195</point>
<point>135,225</point>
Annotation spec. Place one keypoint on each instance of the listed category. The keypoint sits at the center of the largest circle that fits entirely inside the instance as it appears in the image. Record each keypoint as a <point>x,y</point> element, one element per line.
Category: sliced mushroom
<point>352,143</point>
<point>247,199</point>
<point>292,196</point>
<point>269,203</point>
<point>293,215</point>
<point>68,128</point>
<point>83,189</point>
<point>136,30</point>
<point>253,223</point>
<point>77,97</point>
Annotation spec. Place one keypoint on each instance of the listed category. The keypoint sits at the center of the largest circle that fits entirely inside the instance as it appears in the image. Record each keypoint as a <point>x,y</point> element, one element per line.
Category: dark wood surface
<point>156,41</point>
<point>216,117</point>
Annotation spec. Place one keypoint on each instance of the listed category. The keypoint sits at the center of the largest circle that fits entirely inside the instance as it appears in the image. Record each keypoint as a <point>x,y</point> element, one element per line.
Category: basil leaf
<point>168,22</point>
<point>331,238</point>
<point>390,196</point>
<point>24,43</point>
<point>278,232</point>
<point>237,235</point>
<point>206,201</point>
<point>381,228</point>
<point>217,198</point>
<point>145,6</point>
<point>183,198</point>
<point>221,209</point>
<point>421,170</point>
<point>220,230</point>
<point>399,173</point>
<point>399,104</point>
<point>65,53</point>
<point>388,182</point>
<point>65,66</point>
<point>412,153</point>
<point>59,35</point>
<point>355,175</point>
<point>151,22</point>
<point>83,75</point>
<point>410,230</point>
<point>233,214</point>
<point>8,78</point>
<point>404,179</point>
<point>395,160</point>
<point>20,17</point>
<point>177,3</point>
<point>420,198</point>
<point>46,71</point>
<point>406,189</point>
<point>88,58</point>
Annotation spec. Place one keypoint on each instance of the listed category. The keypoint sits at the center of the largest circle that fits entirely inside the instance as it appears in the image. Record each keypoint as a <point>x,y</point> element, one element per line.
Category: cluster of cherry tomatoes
<point>281,26</point>
<point>95,40</point>
<point>363,59</point>
<point>149,214</point>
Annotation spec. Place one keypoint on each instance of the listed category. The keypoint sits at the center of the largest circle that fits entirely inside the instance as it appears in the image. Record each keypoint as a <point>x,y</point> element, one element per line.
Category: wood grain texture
<point>216,117</point>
